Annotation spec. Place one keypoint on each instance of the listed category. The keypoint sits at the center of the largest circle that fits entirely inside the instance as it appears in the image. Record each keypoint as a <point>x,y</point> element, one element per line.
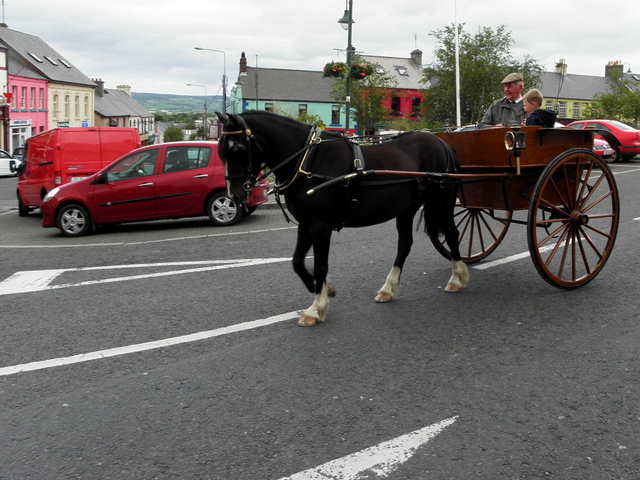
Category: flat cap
<point>513,77</point>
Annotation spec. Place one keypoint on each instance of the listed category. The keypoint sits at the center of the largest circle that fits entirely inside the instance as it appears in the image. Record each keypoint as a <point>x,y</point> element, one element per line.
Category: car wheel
<point>223,211</point>
<point>74,220</point>
<point>617,156</point>
<point>23,210</point>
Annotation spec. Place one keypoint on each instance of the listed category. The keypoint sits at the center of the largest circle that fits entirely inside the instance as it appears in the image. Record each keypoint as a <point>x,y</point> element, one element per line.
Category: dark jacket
<point>545,118</point>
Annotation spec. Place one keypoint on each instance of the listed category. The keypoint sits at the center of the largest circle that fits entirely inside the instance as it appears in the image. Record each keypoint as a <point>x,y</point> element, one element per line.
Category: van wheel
<point>23,210</point>
<point>223,211</point>
<point>74,220</point>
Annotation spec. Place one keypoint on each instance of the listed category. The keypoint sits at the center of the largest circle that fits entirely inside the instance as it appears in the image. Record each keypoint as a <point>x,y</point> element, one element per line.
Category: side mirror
<point>100,179</point>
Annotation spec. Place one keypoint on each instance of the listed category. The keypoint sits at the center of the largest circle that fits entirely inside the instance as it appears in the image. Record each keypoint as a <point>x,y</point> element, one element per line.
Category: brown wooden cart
<point>569,192</point>
<point>552,173</point>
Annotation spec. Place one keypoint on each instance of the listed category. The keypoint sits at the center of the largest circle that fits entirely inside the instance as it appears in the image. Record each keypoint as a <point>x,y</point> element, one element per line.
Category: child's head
<point>532,100</point>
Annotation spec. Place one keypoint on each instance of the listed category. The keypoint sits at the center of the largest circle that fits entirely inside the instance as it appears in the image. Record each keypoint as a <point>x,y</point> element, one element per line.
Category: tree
<point>302,116</point>
<point>620,102</point>
<point>485,59</point>
<point>173,134</point>
<point>367,95</point>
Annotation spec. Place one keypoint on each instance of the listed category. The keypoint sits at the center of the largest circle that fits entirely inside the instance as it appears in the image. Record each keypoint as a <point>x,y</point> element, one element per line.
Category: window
<point>335,114</point>
<point>14,98</point>
<point>65,63</point>
<point>134,166</point>
<point>51,60</point>
<point>186,158</point>
<point>268,107</point>
<point>35,57</point>
<point>32,99</point>
<point>86,107</point>
<point>23,99</point>
<point>402,70</point>
<point>415,106</point>
<point>549,105</point>
<point>576,109</point>
<point>41,99</point>
<point>562,109</point>
<point>55,106</point>
<point>77,107</point>
<point>302,109</point>
<point>395,106</point>
<point>66,107</point>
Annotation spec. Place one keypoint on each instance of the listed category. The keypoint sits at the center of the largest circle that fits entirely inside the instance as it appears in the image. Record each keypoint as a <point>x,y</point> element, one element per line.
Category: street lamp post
<point>224,75</point>
<point>205,130</point>
<point>346,22</point>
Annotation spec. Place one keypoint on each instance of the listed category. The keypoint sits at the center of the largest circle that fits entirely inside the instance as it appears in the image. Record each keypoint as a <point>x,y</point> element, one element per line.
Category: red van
<point>64,155</point>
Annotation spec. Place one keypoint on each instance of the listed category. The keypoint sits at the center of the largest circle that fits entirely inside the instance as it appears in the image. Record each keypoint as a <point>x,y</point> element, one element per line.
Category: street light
<point>224,75</point>
<point>205,135</point>
<point>346,22</point>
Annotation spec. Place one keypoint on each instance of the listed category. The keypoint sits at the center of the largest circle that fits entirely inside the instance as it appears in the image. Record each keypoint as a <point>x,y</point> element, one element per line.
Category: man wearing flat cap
<point>507,111</point>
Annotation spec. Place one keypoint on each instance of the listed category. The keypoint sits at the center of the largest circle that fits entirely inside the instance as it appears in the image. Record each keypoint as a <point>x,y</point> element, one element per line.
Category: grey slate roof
<point>286,85</point>
<point>572,87</point>
<point>16,68</point>
<point>32,51</point>
<point>118,103</point>
<point>407,73</point>
<point>311,86</point>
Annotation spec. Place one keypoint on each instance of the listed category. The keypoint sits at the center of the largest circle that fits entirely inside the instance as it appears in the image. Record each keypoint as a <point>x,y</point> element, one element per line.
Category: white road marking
<point>39,280</point>
<point>511,258</point>
<point>172,239</point>
<point>381,459</point>
<point>141,347</point>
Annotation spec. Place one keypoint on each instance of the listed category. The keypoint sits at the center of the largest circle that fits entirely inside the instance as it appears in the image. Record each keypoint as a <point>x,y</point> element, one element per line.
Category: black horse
<point>329,182</point>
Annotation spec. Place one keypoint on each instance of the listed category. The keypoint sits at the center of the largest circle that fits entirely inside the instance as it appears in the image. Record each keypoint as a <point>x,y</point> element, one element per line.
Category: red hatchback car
<point>170,180</point>
<point>624,140</point>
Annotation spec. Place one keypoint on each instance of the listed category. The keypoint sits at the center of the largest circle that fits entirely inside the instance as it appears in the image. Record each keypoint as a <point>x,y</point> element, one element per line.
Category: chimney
<point>99,87</point>
<point>561,67</point>
<point>416,56</point>
<point>243,64</point>
<point>613,69</point>
<point>125,88</point>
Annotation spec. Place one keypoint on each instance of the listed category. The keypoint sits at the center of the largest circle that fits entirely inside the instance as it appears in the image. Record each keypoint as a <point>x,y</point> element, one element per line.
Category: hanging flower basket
<point>334,69</point>
<point>358,72</point>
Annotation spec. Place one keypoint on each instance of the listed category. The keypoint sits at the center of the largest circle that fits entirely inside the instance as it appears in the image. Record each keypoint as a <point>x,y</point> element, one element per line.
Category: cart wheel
<point>480,232</point>
<point>573,219</point>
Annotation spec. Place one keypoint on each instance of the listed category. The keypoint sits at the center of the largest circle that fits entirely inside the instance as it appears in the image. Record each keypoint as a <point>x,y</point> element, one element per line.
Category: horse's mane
<point>286,121</point>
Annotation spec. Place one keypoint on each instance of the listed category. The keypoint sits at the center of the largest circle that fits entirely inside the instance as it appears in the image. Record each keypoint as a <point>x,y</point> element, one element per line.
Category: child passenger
<point>532,101</point>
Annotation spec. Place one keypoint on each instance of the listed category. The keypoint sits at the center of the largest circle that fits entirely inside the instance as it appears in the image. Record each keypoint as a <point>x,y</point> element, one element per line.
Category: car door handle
<point>204,175</point>
<point>146,185</point>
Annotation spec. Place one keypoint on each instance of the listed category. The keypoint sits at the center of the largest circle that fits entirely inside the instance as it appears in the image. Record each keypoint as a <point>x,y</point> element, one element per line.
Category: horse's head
<point>235,145</point>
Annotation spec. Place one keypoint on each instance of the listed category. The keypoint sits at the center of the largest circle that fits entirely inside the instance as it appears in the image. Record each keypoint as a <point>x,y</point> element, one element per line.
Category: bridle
<point>244,144</point>
<point>304,155</point>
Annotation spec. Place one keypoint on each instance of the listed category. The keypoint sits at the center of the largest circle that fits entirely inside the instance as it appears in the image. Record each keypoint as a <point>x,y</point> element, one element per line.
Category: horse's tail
<point>440,200</point>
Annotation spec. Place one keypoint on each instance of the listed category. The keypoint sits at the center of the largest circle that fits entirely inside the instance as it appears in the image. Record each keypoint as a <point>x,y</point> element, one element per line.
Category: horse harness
<point>305,157</point>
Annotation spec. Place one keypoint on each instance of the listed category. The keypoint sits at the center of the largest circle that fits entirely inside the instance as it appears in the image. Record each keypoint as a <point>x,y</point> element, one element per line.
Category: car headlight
<point>50,194</point>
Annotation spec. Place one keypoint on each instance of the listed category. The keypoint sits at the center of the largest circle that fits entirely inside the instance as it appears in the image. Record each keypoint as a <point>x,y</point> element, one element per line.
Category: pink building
<point>29,109</point>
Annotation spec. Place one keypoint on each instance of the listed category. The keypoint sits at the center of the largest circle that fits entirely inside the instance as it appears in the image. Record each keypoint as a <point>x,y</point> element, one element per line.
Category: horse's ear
<point>223,118</point>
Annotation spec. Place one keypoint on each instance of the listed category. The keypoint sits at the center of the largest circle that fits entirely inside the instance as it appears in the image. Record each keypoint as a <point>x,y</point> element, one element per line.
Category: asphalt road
<point>170,350</point>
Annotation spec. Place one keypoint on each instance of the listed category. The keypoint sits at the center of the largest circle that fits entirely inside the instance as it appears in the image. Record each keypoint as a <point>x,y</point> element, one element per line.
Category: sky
<point>150,44</point>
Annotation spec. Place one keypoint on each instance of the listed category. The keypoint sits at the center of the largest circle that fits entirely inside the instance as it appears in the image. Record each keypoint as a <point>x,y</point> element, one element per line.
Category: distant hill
<point>159,102</point>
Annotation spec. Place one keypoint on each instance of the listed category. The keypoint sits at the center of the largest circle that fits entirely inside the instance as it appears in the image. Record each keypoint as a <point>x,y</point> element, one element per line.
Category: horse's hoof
<point>453,287</point>
<point>331,291</point>
<point>306,321</point>
<point>383,297</point>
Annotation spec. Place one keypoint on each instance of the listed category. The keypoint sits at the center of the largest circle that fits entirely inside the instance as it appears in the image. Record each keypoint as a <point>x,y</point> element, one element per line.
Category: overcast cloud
<point>149,44</point>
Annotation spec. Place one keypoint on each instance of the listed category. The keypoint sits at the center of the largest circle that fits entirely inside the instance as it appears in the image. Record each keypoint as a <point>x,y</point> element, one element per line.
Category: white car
<point>8,164</point>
